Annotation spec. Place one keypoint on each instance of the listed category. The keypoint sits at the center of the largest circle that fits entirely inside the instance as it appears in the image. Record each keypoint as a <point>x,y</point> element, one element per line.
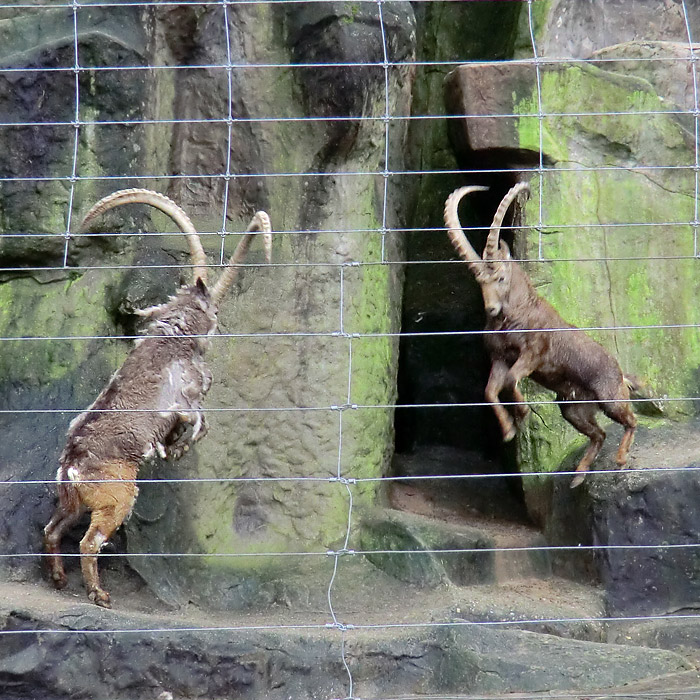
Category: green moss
<point>374,360</point>
<point>585,271</point>
<point>60,309</point>
<point>612,291</point>
<point>350,12</point>
<point>367,433</point>
<point>580,89</point>
<point>540,14</point>
<point>529,129</point>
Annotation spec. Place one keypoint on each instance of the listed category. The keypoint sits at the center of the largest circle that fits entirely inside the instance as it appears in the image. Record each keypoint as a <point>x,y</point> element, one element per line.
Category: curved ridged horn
<point>260,223</point>
<point>454,227</point>
<point>164,204</point>
<point>491,247</point>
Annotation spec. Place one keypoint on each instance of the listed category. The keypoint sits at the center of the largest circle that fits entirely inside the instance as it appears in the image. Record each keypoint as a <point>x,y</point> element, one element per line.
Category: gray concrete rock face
<point>274,387</point>
<point>214,662</point>
<point>574,29</point>
<point>605,172</point>
<point>52,375</point>
<point>647,525</point>
<point>288,366</point>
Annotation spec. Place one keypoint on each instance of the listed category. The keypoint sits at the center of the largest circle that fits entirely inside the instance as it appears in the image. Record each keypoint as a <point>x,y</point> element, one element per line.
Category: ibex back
<point>532,340</point>
<point>152,404</point>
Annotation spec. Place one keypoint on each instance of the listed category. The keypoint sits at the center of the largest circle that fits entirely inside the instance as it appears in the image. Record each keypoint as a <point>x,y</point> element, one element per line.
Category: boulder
<point>599,240</point>
<point>107,655</point>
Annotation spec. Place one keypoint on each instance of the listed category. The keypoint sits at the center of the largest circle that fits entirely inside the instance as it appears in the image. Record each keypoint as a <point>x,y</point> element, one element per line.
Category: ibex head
<point>188,312</point>
<point>493,271</point>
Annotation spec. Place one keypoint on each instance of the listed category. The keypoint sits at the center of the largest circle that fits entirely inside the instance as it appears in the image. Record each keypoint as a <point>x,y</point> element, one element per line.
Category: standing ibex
<point>151,405</point>
<point>531,339</point>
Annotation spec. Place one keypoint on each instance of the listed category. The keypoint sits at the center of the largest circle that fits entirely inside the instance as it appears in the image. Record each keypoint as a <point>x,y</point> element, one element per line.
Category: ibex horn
<point>454,227</point>
<point>167,206</point>
<point>491,247</point>
<point>259,223</point>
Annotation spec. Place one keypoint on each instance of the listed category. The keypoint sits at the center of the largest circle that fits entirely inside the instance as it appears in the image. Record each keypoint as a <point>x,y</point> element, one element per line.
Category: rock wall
<point>298,318</point>
<point>460,593</point>
<point>606,241</point>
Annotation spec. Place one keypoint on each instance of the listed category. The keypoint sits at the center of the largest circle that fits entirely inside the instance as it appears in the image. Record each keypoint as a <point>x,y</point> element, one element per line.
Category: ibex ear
<point>201,287</point>
<point>148,311</point>
<point>505,250</point>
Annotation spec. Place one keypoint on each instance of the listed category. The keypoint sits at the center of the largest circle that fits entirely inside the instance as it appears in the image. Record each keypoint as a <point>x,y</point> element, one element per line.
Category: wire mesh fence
<point>83,77</point>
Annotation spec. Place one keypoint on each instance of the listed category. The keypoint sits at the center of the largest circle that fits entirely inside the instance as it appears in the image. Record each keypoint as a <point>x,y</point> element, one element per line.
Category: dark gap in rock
<point>451,369</point>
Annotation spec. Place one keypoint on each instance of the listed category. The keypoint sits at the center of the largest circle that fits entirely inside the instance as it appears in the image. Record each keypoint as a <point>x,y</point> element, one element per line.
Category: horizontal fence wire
<point>342,334</point>
<point>597,473</point>
<point>345,625</point>
<point>339,118</point>
<point>357,627</point>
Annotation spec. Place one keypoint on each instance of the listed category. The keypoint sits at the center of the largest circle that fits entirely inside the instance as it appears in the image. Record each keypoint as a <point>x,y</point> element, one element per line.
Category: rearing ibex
<point>561,357</point>
<point>151,405</point>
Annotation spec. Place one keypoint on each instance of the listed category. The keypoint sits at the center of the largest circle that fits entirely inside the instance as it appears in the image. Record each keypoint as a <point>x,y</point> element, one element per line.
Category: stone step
<point>58,648</point>
<point>459,551</point>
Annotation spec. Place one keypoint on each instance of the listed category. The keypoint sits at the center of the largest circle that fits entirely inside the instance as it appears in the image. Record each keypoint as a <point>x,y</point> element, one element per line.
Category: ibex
<point>532,340</point>
<point>152,404</point>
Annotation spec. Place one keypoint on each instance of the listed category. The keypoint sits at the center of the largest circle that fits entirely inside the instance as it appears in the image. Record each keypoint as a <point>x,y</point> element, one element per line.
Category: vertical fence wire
<point>229,128</point>
<point>345,483</point>
<point>696,123</point>
<point>76,134</point>
<point>387,113</point>
<point>540,127</point>
<point>342,478</point>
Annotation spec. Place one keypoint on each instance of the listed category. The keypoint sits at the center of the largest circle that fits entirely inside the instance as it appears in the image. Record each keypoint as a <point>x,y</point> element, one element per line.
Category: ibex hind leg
<point>103,523</point>
<point>621,412</point>
<point>110,504</point>
<point>582,417</point>
<point>68,512</point>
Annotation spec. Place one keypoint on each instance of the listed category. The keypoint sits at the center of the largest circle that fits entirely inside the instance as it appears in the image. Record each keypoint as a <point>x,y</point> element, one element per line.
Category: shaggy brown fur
<point>566,361</point>
<point>152,405</point>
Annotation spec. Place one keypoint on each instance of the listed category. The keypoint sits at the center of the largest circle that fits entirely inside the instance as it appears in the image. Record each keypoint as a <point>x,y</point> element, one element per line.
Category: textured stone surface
<point>234,525</point>
<point>582,191</point>
<point>482,91</point>
<point>440,297</point>
<point>437,550</point>
<point>642,509</point>
<point>43,659</point>
<point>572,29</point>
<point>631,512</point>
<point>287,373</point>
<point>582,206</point>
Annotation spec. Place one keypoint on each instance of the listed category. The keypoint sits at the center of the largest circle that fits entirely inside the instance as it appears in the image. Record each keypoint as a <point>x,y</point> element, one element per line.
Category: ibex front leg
<point>180,440</point>
<point>523,367</point>
<point>494,386</point>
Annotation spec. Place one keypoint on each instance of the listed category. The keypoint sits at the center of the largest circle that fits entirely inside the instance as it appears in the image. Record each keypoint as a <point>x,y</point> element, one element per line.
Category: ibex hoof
<point>100,597</point>
<point>576,481</point>
<point>60,580</point>
<point>509,434</point>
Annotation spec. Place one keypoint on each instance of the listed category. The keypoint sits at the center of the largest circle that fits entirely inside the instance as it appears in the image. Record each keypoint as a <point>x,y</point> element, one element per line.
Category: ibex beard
<point>152,405</point>
<point>528,338</point>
